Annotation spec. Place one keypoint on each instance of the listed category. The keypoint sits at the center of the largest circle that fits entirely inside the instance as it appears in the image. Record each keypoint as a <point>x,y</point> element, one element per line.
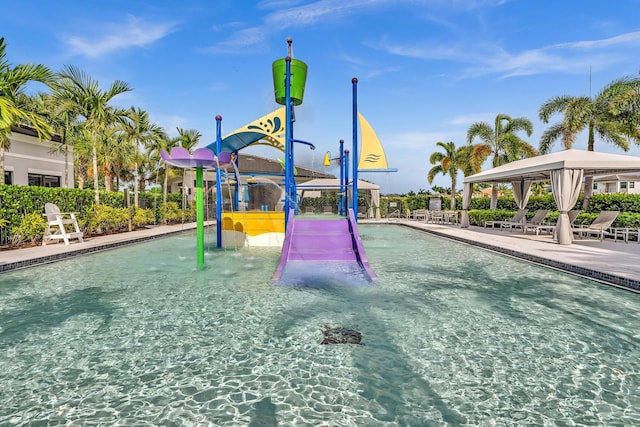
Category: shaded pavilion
<point>565,169</point>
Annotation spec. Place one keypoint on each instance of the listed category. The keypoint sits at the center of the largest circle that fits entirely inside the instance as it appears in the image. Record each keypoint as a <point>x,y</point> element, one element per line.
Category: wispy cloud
<point>116,37</point>
<point>288,16</point>
<point>486,59</point>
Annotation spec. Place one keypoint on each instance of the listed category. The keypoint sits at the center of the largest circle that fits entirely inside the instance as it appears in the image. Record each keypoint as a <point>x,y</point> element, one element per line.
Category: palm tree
<point>76,88</point>
<point>12,83</point>
<point>188,138</point>
<point>166,143</point>
<point>449,163</point>
<point>140,131</point>
<point>613,114</point>
<point>502,143</point>
<point>62,120</point>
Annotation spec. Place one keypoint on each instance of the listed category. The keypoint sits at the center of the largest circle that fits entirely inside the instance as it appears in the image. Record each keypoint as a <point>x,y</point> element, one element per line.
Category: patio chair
<point>537,219</point>
<point>516,218</point>
<point>551,228</point>
<point>599,227</point>
<point>56,228</point>
<point>418,214</point>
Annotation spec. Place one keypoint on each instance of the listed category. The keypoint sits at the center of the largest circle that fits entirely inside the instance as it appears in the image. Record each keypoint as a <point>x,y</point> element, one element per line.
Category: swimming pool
<point>453,335</point>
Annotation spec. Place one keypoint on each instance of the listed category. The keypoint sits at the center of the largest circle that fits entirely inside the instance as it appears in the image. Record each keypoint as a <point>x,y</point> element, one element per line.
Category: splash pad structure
<point>317,245</point>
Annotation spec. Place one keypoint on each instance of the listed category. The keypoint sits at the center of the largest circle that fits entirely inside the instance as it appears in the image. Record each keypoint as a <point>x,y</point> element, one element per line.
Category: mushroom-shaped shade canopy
<point>201,158</point>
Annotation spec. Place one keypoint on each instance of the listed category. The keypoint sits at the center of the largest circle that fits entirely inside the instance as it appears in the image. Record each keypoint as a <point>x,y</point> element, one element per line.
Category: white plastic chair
<point>56,225</point>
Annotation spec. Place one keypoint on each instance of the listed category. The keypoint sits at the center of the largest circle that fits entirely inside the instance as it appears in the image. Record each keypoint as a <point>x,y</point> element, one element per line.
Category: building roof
<point>618,177</point>
<point>31,131</point>
<point>249,164</point>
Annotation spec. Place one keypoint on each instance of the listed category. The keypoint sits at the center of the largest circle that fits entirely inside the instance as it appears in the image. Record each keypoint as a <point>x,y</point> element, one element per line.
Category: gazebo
<point>565,169</point>
<point>373,210</point>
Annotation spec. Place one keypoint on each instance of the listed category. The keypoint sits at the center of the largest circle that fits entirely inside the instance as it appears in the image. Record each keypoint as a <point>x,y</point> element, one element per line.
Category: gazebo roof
<point>539,168</point>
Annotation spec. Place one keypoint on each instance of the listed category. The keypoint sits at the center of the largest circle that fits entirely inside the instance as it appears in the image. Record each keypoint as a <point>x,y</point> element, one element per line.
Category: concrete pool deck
<point>613,262</point>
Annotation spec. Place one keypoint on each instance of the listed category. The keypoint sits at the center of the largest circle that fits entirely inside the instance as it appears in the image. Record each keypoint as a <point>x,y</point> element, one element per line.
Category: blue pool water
<point>453,336</point>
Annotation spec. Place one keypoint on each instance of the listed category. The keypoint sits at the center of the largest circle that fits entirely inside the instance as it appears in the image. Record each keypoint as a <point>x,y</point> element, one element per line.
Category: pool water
<point>453,335</point>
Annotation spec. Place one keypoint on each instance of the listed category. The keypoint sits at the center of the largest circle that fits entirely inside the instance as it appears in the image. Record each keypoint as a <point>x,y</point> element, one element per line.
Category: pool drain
<point>341,336</point>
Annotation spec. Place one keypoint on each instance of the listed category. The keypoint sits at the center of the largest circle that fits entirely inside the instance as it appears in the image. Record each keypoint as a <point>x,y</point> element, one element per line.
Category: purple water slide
<point>323,243</point>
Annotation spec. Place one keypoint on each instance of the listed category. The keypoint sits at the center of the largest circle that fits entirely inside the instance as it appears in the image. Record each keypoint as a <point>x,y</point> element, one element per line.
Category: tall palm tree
<point>77,88</point>
<point>139,130</point>
<point>62,120</point>
<point>613,114</point>
<point>188,138</point>
<point>501,142</point>
<point>166,143</point>
<point>13,81</point>
<point>449,163</point>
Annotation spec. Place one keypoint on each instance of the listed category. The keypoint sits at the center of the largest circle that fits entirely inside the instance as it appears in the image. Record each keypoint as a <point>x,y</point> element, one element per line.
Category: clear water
<point>453,336</point>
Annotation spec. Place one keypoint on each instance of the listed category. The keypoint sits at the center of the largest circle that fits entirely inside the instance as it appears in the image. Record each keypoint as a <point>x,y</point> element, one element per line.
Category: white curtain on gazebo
<point>521,192</point>
<point>374,209</point>
<point>565,184</point>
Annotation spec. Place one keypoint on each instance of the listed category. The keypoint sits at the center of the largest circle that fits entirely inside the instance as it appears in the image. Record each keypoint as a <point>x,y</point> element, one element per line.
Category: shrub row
<point>624,219</point>
<point>21,209</point>
<point>629,203</point>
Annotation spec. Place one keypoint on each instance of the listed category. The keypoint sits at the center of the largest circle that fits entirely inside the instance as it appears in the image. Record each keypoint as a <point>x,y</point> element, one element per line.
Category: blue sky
<point>427,69</point>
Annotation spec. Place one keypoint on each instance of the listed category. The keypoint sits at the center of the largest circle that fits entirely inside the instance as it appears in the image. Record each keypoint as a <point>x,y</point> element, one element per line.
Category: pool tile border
<point>598,276</point>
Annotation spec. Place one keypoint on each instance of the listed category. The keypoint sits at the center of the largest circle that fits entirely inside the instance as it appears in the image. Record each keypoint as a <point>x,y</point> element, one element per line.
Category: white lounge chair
<point>56,225</point>
<point>599,227</point>
<point>551,228</point>
<point>518,217</point>
<point>534,221</point>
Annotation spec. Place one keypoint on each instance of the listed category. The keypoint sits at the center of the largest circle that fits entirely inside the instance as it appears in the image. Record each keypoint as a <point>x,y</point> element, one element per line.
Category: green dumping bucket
<point>298,80</point>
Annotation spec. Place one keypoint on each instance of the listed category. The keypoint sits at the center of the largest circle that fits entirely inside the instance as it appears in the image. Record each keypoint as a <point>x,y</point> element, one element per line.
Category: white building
<point>627,184</point>
<point>30,161</point>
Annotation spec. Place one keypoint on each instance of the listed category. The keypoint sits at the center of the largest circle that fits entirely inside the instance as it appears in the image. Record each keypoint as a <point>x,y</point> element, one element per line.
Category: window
<point>623,185</point>
<point>632,184</point>
<point>8,177</point>
<point>595,185</point>
<point>44,180</point>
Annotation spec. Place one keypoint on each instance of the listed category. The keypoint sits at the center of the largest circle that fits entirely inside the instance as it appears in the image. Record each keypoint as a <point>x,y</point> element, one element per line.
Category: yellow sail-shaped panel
<point>372,154</point>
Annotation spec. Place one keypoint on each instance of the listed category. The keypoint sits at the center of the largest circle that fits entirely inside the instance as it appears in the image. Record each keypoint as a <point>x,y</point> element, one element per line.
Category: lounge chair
<point>518,217</point>
<point>418,214</point>
<point>551,228</point>
<point>56,225</point>
<point>534,221</point>
<point>599,227</point>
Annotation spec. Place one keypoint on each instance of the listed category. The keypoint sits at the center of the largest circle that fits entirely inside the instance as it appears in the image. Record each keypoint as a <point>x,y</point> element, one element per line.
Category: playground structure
<point>306,241</point>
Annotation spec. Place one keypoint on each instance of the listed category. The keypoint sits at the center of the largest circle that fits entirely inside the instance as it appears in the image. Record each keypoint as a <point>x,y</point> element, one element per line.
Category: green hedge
<point>624,220</point>
<point>18,204</point>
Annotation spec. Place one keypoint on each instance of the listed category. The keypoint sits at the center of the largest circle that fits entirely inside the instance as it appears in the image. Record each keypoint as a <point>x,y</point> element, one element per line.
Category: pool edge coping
<point>48,259</point>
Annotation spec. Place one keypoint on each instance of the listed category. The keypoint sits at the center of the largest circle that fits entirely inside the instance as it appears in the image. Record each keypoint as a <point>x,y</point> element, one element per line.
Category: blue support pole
<point>346,177</point>
<point>236,190</point>
<point>288,169</point>
<point>354,82</point>
<point>218,185</point>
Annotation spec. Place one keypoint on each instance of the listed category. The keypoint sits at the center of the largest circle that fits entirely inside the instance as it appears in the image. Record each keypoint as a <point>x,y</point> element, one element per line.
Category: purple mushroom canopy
<point>201,158</point>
